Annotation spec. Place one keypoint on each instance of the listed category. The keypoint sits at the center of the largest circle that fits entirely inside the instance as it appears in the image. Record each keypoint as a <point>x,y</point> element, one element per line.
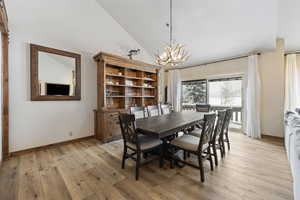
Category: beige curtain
<point>174,89</point>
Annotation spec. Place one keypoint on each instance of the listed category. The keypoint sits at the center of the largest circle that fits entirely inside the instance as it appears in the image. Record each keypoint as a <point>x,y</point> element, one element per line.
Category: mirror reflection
<point>56,74</point>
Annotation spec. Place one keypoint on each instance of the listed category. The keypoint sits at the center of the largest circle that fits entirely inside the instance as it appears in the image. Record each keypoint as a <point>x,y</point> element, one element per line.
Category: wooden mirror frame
<point>34,69</point>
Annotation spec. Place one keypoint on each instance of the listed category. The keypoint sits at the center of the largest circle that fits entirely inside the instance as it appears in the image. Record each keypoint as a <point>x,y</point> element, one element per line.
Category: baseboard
<point>21,152</point>
<point>279,139</point>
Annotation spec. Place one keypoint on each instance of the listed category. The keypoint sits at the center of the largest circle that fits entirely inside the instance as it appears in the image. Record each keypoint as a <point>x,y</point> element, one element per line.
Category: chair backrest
<point>138,112</point>
<point>153,110</point>
<point>203,107</point>
<point>227,121</point>
<point>165,109</point>
<point>207,130</point>
<point>127,124</point>
<point>219,125</point>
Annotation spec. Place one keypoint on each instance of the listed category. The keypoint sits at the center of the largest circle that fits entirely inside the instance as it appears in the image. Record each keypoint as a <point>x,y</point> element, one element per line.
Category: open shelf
<point>126,85</point>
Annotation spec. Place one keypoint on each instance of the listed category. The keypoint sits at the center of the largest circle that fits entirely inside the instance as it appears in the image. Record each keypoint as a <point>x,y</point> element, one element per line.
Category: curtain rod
<point>292,52</point>
<point>214,61</point>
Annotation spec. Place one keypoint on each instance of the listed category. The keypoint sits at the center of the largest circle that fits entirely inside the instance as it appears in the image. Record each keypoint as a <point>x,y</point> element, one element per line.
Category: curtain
<point>161,89</point>
<point>174,89</point>
<point>292,93</point>
<point>253,126</point>
<point>244,103</point>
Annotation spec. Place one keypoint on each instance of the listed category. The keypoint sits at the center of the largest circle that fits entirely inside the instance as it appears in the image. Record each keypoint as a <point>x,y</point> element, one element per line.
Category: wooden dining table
<point>165,126</point>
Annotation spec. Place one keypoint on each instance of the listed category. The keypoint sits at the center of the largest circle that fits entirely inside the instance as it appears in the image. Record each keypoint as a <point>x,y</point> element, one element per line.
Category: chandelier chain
<point>171,21</point>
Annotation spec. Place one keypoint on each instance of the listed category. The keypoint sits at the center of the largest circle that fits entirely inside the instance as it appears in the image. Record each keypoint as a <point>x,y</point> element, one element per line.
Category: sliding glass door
<point>219,93</point>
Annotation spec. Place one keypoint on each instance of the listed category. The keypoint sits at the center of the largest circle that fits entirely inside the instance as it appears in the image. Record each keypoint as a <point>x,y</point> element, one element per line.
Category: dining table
<point>163,126</point>
<point>166,126</point>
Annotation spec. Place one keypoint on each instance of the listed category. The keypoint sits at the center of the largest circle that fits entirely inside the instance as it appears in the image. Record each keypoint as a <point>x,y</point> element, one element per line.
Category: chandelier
<point>173,53</point>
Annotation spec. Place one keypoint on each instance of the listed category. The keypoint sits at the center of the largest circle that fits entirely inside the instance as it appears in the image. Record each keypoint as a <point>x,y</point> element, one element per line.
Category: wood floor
<point>88,170</point>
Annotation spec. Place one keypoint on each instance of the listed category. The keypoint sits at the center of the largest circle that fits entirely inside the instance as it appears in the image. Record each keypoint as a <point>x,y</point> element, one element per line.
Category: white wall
<point>79,26</point>
<point>216,70</point>
<point>271,65</point>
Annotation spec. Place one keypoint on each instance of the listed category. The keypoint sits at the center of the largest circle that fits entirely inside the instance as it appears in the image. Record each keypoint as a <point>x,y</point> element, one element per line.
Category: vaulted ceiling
<point>210,29</point>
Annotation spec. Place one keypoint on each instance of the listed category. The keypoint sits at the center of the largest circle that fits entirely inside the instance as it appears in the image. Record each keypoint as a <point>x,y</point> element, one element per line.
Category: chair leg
<point>161,156</point>
<point>184,155</point>
<point>171,158</point>
<point>223,147</point>
<point>201,168</point>
<point>220,148</point>
<point>227,140</point>
<point>210,159</point>
<point>137,166</point>
<point>215,154</point>
<point>124,157</point>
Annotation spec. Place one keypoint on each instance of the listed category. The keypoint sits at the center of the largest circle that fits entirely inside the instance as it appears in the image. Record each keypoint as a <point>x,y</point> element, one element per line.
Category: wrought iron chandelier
<point>173,53</point>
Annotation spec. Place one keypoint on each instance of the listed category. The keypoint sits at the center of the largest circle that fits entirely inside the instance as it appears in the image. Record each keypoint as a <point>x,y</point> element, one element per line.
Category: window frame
<point>228,78</point>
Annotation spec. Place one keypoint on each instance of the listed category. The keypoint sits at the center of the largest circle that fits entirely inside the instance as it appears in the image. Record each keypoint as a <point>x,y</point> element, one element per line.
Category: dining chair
<point>165,109</point>
<point>216,141</point>
<point>203,107</point>
<point>197,146</point>
<point>136,142</point>
<point>153,110</point>
<point>225,131</point>
<point>139,112</point>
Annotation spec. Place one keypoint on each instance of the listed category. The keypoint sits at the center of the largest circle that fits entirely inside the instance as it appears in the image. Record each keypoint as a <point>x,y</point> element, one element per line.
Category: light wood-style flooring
<point>88,170</point>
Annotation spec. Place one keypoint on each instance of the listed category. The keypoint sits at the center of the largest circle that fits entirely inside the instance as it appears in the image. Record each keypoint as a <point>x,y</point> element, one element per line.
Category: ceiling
<point>210,29</point>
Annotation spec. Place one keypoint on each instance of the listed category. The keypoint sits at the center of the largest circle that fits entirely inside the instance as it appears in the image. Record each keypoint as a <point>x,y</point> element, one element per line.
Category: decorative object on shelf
<point>173,53</point>
<point>133,52</point>
<point>129,83</point>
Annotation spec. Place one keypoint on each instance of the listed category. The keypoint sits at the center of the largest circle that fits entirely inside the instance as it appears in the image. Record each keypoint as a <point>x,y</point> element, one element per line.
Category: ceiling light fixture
<point>173,53</point>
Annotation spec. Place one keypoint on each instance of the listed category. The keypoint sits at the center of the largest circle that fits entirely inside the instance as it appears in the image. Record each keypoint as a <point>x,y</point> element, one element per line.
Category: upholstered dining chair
<point>139,112</point>
<point>153,110</point>
<point>136,142</point>
<point>216,141</point>
<point>203,107</point>
<point>225,132</point>
<point>165,109</point>
<point>197,146</point>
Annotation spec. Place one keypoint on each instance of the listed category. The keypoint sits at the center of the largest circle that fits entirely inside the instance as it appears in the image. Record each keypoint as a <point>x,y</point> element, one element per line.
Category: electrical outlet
<point>71,133</point>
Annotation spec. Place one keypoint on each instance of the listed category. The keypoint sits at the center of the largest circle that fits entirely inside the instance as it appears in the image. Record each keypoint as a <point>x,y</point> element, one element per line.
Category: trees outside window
<point>194,92</point>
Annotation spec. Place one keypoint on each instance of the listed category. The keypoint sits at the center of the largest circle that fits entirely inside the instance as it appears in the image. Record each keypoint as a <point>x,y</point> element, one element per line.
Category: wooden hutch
<point>121,83</point>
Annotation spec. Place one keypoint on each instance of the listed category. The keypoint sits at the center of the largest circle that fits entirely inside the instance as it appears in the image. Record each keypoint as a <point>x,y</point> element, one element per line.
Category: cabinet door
<point>112,126</point>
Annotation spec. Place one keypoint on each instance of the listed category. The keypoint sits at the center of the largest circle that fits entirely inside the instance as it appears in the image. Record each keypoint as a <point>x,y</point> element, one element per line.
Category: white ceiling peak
<point>210,29</point>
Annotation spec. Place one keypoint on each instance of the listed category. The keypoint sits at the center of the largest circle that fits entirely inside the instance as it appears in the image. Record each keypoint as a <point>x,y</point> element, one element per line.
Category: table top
<point>166,125</point>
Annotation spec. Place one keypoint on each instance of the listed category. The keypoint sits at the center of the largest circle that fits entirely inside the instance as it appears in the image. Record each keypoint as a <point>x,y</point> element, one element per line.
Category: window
<point>194,92</point>
<point>217,92</point>
<point>225,92</point>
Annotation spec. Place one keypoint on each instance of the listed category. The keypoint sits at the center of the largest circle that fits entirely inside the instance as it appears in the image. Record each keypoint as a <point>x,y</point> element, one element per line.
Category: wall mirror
<point>55,74</point>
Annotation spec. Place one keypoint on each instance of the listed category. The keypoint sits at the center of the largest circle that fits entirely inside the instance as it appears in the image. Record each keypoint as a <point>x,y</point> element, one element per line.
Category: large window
<point>216,92</point>
<point>225,92</point>
<point>194,92</point>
